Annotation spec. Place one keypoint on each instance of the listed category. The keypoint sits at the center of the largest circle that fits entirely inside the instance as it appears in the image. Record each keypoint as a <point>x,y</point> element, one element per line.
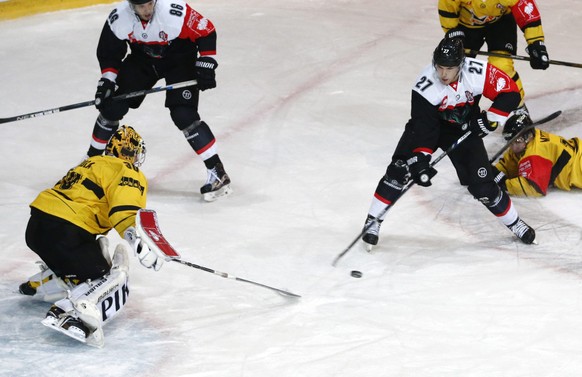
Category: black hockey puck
<point>356,274</point>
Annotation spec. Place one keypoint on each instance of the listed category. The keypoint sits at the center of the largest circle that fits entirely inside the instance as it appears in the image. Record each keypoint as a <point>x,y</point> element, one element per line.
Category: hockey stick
<point>91,103</point>
<point>229,276</point>
<point>406,188</point>
<point>519,57</point>
<point>546,119</point>
<point>147,227</point>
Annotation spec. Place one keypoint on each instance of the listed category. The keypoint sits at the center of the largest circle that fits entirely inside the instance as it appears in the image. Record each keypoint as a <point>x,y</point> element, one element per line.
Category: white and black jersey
<point>176,31</point>
<point>436,105</point>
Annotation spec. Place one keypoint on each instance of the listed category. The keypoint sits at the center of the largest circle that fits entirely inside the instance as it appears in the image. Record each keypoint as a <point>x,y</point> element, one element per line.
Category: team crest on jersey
<point>528,9</point>
<point>163,36</point>
<point>499,80</point>
<point>187,94</point>
<point>469,96</point>
<point>501,85</point>
<point>525,168</point>
<point>203,24</point>
<point>443,105</point>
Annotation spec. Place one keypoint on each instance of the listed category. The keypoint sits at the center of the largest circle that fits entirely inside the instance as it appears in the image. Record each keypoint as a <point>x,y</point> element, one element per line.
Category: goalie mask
<point>127,145</point>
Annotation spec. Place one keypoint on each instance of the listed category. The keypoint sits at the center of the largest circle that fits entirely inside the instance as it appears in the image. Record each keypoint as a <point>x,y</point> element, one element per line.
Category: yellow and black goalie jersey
<point>548,161</point>
<point>101,193</point>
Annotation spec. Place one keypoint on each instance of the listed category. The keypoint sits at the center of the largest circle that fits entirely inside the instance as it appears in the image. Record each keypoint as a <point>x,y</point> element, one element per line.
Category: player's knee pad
<point>114,110</point>
<point>393,182</point>
<point>397,174</point>
<point>487,193</point>
<point>184,116</point>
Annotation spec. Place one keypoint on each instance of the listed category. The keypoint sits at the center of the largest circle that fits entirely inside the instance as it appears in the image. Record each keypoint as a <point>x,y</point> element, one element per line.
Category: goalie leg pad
<point>97,302</point>
<point>104,245</point>
<point>45,286</point>
<point>100,301</point>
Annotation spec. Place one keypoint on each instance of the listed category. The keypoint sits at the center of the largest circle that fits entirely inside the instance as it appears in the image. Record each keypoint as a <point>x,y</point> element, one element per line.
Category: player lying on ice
<point>538,160</point>
<point>445,104</point>
<point>66,228</point>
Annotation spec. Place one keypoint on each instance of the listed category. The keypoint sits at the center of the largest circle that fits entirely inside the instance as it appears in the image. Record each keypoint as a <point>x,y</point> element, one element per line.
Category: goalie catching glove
<point>147,257</point>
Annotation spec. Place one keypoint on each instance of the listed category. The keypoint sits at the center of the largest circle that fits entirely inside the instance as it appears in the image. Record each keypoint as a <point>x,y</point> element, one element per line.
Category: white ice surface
<point>312,98</point>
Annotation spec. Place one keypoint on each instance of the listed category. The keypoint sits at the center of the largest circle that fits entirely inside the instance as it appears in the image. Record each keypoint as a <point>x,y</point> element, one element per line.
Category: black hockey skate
<point>217,184</point>
<point>370,238</point>
<point>523,231</point>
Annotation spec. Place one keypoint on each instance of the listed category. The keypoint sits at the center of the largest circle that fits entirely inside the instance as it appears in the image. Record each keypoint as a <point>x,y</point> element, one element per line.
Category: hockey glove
<point>538,55</point>
<point>420,169</point>
<point>105,89</point>
<point>456,33</point>
<point>480,125</point>
<point>499,177</point>
<point>147,257</point>
<point>205,75</point>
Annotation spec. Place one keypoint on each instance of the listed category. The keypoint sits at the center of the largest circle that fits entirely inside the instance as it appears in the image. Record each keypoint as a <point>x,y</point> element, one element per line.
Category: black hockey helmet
<point>449,53</point>
<point>515,124</point>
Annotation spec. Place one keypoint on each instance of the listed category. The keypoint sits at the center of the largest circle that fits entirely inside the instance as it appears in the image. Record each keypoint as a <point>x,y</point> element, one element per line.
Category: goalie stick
<point>148,229</point>
<point>404,190</point>
<point>546,119</point>
<point>91,103</point>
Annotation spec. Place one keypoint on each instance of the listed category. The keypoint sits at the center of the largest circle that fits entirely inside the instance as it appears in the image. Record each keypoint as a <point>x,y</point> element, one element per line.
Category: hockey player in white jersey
<point>87,286</point>
<point>445,104</point>
<point>167,40</point>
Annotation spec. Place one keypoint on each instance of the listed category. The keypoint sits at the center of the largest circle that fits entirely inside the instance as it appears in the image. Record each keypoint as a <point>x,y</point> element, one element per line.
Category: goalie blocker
<point>148,230</point>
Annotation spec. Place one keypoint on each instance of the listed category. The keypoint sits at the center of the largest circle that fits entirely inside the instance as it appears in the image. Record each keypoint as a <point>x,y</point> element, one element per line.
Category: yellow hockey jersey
<point>480,13</point>
<point>101,193</point>
<point>548,161</point>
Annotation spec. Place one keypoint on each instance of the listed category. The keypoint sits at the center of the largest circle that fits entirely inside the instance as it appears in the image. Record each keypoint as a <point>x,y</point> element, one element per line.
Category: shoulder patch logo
<point>501,85</point>
<point>202,24</point>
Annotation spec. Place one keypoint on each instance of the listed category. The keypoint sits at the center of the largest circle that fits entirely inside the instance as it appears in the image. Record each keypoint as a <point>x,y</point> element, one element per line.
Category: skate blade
<point>369,247</point>
<point>213,195</point>
<point>52,324</point>
<point>95,339</point>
